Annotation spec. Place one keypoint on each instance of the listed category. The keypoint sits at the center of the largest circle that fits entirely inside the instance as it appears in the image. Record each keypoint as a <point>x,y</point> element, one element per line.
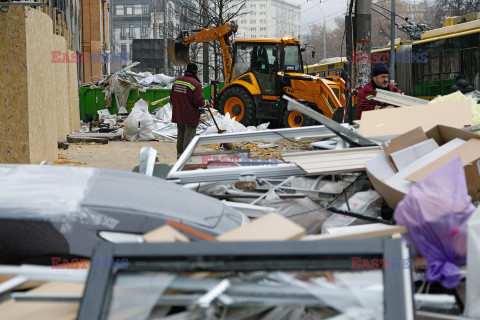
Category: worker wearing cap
<point>186,98</point>
<point>366,96</point>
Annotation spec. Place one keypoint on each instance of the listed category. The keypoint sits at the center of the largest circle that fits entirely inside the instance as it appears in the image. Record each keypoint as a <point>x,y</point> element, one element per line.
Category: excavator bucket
<point>178,53</point>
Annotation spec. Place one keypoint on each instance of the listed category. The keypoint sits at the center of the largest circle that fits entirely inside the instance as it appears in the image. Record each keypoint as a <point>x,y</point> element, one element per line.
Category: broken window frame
<point>240,256</point>
<point>280,170</point>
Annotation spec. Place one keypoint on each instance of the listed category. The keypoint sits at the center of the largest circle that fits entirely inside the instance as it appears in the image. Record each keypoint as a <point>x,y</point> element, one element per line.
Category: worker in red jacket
<point>186,98</point>
<point>366,96</point>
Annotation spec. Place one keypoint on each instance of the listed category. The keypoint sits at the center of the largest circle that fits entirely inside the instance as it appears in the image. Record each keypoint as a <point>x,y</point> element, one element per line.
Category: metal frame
<point>251,256</point>
<point>352,138</point>
<point>282,170</point>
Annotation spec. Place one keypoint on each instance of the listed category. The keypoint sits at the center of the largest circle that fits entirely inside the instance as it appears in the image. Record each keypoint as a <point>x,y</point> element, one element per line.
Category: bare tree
<point>219,12</point>
<point>451,8</point>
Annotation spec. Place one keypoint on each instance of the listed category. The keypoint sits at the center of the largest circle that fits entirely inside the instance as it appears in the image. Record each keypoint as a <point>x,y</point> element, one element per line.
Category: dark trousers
<point>185,134</point>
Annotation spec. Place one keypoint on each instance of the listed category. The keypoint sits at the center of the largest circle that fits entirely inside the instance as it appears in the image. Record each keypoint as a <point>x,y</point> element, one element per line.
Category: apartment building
<point>269,19</point>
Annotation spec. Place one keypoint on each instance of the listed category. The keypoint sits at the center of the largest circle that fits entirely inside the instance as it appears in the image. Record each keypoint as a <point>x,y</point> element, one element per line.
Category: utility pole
<point>154,19</point>
<point>362,44</point>
<point>324,34</point>
<point>392,43</point>
<point>205,44</point>
<point>165,41</point>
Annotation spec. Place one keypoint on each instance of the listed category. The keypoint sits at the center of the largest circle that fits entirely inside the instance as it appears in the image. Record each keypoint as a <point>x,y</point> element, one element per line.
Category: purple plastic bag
<point>435,211</point>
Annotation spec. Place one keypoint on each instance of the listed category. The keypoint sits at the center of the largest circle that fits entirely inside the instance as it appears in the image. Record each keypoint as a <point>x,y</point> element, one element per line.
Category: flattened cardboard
<point>468,152</point>
<point>271,227</point>
<point>442,134</point>
<point>406,140</point>
<point>456,114</point>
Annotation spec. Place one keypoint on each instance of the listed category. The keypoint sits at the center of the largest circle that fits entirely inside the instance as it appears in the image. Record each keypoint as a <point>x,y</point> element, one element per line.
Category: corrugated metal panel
<point>332,161</point>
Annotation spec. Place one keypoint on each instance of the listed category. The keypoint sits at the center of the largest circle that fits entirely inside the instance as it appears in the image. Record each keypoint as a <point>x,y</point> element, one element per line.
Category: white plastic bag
<point>147,126</point>
<point>104,114</point>
<point>165,113</point>
<point>132,123</point>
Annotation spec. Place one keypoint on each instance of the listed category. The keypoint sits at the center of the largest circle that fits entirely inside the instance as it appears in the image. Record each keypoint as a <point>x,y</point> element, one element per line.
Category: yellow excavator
<point>258,72</point>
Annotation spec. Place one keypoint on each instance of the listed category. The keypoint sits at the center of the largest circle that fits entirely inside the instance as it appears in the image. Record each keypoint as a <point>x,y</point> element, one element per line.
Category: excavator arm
<point>179,54</point>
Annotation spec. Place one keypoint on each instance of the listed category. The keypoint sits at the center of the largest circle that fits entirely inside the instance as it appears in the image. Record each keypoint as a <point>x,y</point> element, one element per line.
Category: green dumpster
<point>92,100</point>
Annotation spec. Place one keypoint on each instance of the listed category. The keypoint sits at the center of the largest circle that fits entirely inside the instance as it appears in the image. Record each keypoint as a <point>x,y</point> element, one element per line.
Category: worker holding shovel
<point>186,98</point>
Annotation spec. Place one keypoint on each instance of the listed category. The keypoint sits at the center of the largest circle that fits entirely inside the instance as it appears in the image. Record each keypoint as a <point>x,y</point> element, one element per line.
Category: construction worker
<point>186,98</point>
<point>366,96</point>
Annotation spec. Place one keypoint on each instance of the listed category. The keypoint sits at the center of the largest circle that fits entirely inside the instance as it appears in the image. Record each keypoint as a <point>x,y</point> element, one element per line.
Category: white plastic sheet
<point>304,211</point>
<point>231,125</point>
<point>38,191</point>
<point>472,308</point>
<point>365,202</point>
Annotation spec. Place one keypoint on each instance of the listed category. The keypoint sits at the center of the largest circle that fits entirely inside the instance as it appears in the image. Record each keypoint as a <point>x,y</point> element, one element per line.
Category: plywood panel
<point>41,106</point>
<point>73,100</point>
<point>61,89</point>
<point>13,88</point>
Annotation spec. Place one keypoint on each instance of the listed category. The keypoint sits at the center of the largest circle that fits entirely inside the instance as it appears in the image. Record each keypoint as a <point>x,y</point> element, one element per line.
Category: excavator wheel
<point>239,104</point>
<point>294,119</point>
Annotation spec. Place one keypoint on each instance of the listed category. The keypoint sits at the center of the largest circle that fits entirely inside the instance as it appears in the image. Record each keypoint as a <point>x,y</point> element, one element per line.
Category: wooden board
<point>61,90</point>
<point>44,310</point>
<point>165,233</point>
<point>112,136</point>
<point>272,227</point>
<point>332,161</point>
<point>73,100</point>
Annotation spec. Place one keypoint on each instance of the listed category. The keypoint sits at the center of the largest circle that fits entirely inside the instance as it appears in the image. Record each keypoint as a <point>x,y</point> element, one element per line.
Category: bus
<point>428,67</point>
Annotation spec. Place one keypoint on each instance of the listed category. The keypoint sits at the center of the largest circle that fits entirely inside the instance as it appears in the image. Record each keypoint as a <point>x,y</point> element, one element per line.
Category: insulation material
<point>74,115</point>
<point>61,90</point>
<point>475,107</point>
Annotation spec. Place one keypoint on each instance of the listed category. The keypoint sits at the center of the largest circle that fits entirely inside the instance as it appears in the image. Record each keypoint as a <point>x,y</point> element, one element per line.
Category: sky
<point>311,12</point>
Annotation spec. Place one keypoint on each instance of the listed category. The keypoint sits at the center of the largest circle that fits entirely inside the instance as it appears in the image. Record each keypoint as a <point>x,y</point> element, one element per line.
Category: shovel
<point>224,145</point>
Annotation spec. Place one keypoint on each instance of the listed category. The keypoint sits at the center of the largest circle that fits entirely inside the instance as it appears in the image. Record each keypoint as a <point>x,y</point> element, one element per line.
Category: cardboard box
<point>394,121</point>
<point>379,168</point>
